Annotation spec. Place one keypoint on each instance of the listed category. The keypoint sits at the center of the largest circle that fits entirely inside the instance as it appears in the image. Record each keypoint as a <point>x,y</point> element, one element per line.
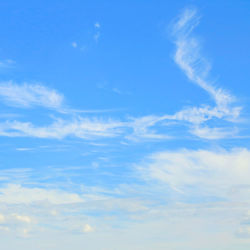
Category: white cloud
<point>214,133</point>
<point>199,115</point>
<point>88,229</point>
<point>178,226</point>
<point>28,95</point>
<point>24,149</point>
<point>142,128</point>
<point>195,119</point>
<point>218,173</point>
<point>17,194</point>
<point>22,218</point>
<point>188,57</point>
<point>82,128</point>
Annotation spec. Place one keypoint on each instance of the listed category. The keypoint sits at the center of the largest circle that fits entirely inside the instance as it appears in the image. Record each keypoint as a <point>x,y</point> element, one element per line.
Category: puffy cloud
<point>220,173</point>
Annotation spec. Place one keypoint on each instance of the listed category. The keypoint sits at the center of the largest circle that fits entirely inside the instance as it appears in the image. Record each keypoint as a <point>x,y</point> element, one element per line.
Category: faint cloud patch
<point>24,149</point>
<point>97,34</point>
<point>74,44</point>
<point>88,229</point>
<point>97,25</point>
<point>7,63</point>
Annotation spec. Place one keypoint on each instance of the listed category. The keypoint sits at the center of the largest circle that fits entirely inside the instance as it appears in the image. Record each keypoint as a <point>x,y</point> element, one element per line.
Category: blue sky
<point>124,125</point>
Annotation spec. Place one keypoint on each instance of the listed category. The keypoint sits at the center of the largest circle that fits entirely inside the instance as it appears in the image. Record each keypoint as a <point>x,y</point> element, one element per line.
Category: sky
<point>124,125</point>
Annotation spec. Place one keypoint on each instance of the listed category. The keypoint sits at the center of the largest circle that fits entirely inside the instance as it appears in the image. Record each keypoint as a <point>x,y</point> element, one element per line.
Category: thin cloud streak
<point>29,95</point>
<point>82,128</point>
<point>6,64</point>
<point>189,58</point>
<point>196,68</point>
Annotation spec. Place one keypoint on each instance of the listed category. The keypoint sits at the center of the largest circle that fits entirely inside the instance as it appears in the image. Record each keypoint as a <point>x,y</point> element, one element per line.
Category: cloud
<point>202,173</point>
<point>22,218</point>
<point>17,194</point>
<point>214,133</point>
<point>74,44</point>
<point>24,149</point>
<point>190,60</point>
<point>128,220</point>
<point>97,25</point>
<point>2,218</point>
<point>117,91</point>
<point>143,128</point>
<point>29,95</point>
<point>178,226</point>
<point>6,63</point>
<point>82,128</point>
<point>97,36</point>
<point>88,229</point>
<point>188,57</point>
<point>97,33</point>
<point>198,121</point>
<point>199,115</point>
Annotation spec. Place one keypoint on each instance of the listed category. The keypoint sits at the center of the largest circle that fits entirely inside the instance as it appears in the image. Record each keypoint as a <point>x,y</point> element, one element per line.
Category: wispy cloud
<point>196,120</point>
<point>214,133</point>
<point>144,128</point>
<point>24,149</point>
<point>189,58</point>
<point>97,34</point>
<point>29,95</point>
<point>97,25</point>
<point>6,63</point>
<point>82,128</point>
<point>74,44</point>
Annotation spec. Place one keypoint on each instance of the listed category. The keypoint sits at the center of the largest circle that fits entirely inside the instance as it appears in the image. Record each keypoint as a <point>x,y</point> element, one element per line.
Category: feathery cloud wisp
<point>189,58</point>
<point>6,63</point>
<point>82,128</point>
<point>28,95</point>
